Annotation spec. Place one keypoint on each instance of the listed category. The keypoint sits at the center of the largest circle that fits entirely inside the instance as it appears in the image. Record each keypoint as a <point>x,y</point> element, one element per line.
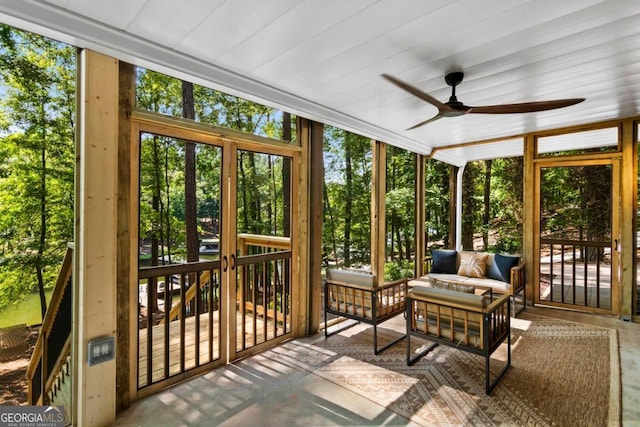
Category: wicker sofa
<point>503,274</point>
<point>466,321</point>
<point>358,296</point>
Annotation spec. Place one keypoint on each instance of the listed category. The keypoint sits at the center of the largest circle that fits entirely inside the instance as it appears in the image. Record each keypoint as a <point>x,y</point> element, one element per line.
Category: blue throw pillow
<point>501,268</point>
<point>444,261</point>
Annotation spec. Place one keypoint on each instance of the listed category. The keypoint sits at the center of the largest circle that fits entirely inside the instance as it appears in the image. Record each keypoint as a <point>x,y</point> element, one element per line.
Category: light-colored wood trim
<point>277,242</point>
<point>578,159</point>
<point>628,220</point>
<point>378,190</point>
<point>419,238</point>
<point>473,143</point>
<point>126,102</point>
<point>134,214</point>
<point>615,236</point>
<point>453,197</point>
<point>228,245</point>
<point>582,160</point>
<point>583,127</point>
<point>178,127</point>
<point>315,212</point>
<point>298,209</point>
<point>545,133</point>
<point>96,221</point>
<point>531,222</point>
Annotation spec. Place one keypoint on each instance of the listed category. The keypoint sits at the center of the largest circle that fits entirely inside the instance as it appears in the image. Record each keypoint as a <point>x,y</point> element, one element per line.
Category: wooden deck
<point>209,343</point>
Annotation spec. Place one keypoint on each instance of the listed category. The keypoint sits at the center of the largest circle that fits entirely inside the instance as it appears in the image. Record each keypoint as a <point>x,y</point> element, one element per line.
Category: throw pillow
<point>444,261</point>
<point>501,268</point>
<point>472,264</point>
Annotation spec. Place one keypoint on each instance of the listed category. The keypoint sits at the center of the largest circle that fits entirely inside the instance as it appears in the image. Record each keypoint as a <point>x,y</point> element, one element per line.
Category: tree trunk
<point>256,204</point>
<point>190,201</point>
<point>271,209</point>
<point>43,217</point>
<point>332,223</point>
<point>286,177</point>
<point>347,203</point>
<point>468,206</point>
<point>398,235</point>
<point>487,201</point>
<point>167,205</point>
<point>244,195</point>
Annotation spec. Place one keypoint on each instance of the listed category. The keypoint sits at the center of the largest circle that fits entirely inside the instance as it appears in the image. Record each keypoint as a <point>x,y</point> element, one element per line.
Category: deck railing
<point>182,329</point>
<point>579,273</point>
<point>53,346</point>
<point>163,353</point>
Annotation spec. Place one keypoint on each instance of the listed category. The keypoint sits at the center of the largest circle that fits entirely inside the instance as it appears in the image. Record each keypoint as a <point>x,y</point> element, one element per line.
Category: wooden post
<point>453,195</point>
<point>314,147</point>
<point>420,240</point>
<point>531,214</point>
<point>628,220</point>
<point>95,277</point>
<point>378,193</point>
<point>125,309</point>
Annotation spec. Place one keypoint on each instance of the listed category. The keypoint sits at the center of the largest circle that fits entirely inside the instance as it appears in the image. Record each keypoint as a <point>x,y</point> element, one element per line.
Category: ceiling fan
<point>453,107</point>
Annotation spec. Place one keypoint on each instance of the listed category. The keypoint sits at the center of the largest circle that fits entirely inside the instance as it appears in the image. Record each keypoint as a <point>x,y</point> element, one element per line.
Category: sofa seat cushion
<point>455,278</point>
<point>423,280</point>
<point>497,285</point>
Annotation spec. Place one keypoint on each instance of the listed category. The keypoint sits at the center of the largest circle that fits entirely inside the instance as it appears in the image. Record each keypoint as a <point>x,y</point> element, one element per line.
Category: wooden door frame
<point>613,159</point>
<point>230,224</point>
<point>229,141</point>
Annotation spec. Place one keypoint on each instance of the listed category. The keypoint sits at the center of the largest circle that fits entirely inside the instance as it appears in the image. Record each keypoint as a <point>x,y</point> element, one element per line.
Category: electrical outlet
<point>101,350</point>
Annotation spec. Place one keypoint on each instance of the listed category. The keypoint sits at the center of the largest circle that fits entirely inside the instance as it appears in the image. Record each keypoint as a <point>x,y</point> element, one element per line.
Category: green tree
<point>347,197</point>
<point>400,203</point>
<point>437,202</point>
<point>36,183</point>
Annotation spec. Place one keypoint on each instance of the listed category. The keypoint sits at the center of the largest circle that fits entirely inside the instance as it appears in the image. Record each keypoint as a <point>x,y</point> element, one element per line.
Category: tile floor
<point>265,391</point>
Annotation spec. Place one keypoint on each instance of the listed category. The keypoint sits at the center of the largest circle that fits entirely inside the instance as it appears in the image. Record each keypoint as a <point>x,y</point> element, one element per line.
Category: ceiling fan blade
<point>525,107</point>
<point>417,92</point>
<point>432,119</point>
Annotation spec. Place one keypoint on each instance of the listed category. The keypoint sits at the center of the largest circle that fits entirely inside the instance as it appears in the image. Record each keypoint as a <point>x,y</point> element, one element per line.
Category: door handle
<point>233,262</point>
<point>617,248</point>
<point>225,261</point>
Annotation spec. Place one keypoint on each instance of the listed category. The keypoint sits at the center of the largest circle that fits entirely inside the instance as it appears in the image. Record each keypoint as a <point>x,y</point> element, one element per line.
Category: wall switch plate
<point>101,350</point>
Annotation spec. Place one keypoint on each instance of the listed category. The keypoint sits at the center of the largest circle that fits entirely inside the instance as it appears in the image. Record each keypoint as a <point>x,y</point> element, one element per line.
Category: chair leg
<point>377,350</point>
<point>418,356</point>
<point>524,302</point>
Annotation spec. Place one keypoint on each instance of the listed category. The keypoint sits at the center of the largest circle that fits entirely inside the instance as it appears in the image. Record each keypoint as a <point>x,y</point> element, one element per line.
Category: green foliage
<point>576,202</point>
<point>437,202</point>
<point>400,203</point>
<point>347,197</point>
<point>260,181</point>
<point>37,114</point>
<point>399,269</point>
<point>504,228</point>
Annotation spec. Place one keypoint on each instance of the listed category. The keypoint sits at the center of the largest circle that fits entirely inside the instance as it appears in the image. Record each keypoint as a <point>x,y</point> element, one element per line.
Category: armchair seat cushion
<point>445,295</point>
<point>352,277</point>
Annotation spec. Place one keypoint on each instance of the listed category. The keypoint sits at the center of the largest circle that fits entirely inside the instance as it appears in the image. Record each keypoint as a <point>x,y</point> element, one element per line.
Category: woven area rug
<point>562,373</point>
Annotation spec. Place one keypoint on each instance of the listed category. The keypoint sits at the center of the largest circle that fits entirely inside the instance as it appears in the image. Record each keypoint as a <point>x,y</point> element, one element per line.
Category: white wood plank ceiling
<point>324,59</point>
